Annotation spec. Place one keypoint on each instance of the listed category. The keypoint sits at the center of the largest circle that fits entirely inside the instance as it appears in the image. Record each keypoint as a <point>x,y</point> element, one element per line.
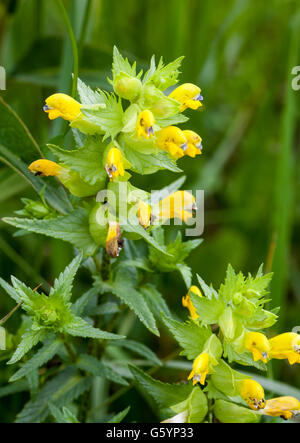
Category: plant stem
<point>73,45</point>
<point>4,319</point>
<point>84,27</point>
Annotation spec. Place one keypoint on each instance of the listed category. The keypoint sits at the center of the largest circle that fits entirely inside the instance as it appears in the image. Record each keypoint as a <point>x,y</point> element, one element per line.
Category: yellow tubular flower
<point>114,166</point>
<point>145,124</point>
<point>253,393</point>
<point>144,214</point>
<point>285,407</point>
<point>258,344</point>
<point>62,105</point>
<point>194,145</point>
<point>114,243</point>
<point>188,95</point>
<point>45,168</point>
<point>180,205</point>
<point>187,302</point>
<point>200,369</point>
<point>286,345</point>
<point>172,140</point>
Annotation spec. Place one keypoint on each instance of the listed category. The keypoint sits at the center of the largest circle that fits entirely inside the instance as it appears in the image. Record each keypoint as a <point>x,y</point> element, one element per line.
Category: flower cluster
<point>134,128</point>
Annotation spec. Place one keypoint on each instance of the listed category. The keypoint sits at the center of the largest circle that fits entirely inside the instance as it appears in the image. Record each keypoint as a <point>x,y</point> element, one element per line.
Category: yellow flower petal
<point>200,369</point>
<point>253,393</point>
<point>45,168</point>
<point>258,344</point>
<point>285,407</point>
<point>172,140</point>
<point>180,205</point>
<point>194,145</point>
<point>145,124</point>
<point>62,105</point>
<point>286,346</point>
<point>187,302</point>
<point>114,243</point>
<point>144,214</point>
<point>188,95</point>
<point>114,166</point>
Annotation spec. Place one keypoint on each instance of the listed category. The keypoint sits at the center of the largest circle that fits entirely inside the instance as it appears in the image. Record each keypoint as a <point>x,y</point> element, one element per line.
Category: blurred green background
<point>240,52</point>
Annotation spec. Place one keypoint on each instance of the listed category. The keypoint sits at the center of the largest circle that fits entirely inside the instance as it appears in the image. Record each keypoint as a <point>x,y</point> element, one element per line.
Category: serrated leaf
<point>86,160</point>
<point>87,95</point>
<point>190,336</point>
<point>60,391</point>
<point>10,290</point>
<point>14,388</point>
<point>109,120</point>
<point>73,228</point>
<point>29,340</point>
<point>80,328</point>
<point>164,394</point>
<point>186,273</point>
<point>121,64</point>
<point>62,416</point>
<point>138,348</point>
<point>135,301</point>
<point>42,356</point>
<point>164,76</point>
<point>98,368</point>
<point>64,283</point>
<point>209,311</point>
<point>120,416</point>
<point>79,306</point>
<point>155,300</point>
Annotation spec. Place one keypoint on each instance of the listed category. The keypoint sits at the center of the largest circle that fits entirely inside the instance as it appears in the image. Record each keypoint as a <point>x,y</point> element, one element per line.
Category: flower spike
<point>62,105</point>
<point>188,95</point>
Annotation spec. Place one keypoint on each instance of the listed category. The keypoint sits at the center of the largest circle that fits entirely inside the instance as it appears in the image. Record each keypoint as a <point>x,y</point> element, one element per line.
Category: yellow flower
<point>45,168</point>
<point>180,205</point>
<point>258,344</point>
<point>188,95</point>
<point>187,302</point>
<point>285,407</point>
<point>145,124</point>
<point>194,145</point>
<point>62,105</point>
<point>114,166</point>
<point>286,345</point>
<point>172,140</point>
<point>114,243</point>
<point>253,393</point>
<point>144,214</point>
<point>200,369</point>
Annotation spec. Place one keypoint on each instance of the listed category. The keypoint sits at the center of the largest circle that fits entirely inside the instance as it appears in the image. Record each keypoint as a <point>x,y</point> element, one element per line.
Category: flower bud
<point>127,87</point>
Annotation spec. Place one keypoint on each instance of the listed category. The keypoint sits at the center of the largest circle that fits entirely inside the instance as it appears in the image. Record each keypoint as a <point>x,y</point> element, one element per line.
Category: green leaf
<point>165,395</point>
<point>164,76</point>
<point>121,64</point>
<point>190,336</point>
<point>64,283</point>
<point>87,160</point>
<point>225,379</point>
<point>109,120</point>
<point>60,391</point>
<point>120,416</point>
<point>97,368</point>
<point>15,136</point>
<point>138,348</point>
<point>149,164</point>
<point>73,228</point>
<point>209,311</point>
<point>42,356</point>
<point>62,416</point>
<point>134,300</point>
<point>87,95</point>
<point>227,412</point>
<point>155,300</point>
<point>79,306</point>
<point>186,273</point>
<point>195,406</point>
<point>80,328</point>
<point>29,340</point>
<point>2,339</point>
<point>10,290</point>
<point>244,359</point>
